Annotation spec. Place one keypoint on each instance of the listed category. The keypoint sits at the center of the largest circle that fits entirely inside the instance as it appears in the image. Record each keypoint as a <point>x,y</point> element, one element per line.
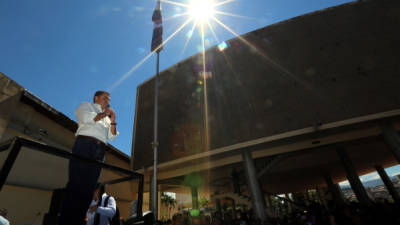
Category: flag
<point>158,29</point>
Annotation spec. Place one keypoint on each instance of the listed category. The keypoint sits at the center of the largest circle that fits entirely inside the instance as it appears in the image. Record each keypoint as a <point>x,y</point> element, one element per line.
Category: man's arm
<point>112,132</point>
<point>108,210</point>
<point>113,127</point>
<point>99,116</point>
<point>85,114</point>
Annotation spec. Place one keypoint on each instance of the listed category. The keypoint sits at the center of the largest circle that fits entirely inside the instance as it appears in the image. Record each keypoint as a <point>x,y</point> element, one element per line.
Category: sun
<point>203,14</point>
<point>201,10</point>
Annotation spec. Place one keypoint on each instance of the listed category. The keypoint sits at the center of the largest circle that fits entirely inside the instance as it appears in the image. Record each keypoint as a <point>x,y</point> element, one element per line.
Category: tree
<point>204,202</point>
<point>169,202</point>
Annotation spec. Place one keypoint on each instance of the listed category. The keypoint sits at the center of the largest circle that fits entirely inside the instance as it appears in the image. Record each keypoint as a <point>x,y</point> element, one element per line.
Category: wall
<point>17,118</point>
<point>314,69</point>
<point>25,205</point>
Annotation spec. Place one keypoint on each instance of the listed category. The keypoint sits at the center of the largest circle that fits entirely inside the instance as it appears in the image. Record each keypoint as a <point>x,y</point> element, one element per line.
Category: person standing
<point>101,213</point>
<point>96,125</point>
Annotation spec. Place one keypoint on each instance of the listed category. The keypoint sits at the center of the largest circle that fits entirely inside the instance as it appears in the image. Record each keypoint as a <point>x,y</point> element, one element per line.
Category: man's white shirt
<point>85,113</point>
<point>4,221</point>
<point>106,212</point>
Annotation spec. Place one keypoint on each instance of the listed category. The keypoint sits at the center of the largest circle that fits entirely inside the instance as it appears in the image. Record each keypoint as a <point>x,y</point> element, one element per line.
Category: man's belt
<point>95,140</point>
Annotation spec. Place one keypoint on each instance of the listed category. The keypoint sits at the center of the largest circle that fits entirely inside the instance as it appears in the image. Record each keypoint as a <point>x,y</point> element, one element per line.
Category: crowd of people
<point>383,213</point>
<point>347,214</point>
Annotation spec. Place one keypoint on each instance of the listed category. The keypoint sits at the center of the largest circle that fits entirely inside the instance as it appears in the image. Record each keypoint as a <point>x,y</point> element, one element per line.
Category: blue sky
<point>63,51</point>
<point>391,171</point>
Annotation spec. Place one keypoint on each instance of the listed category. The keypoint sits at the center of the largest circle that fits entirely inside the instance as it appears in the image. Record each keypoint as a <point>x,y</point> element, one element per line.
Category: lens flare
<point>222,46</point>
<point>201,10</point>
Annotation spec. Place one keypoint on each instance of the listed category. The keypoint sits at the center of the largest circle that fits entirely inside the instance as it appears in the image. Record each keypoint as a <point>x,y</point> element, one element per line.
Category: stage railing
<point>14,146</point>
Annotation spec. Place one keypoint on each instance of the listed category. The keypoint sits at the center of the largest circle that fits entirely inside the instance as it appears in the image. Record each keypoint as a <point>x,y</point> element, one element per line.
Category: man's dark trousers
<point>82,181</point>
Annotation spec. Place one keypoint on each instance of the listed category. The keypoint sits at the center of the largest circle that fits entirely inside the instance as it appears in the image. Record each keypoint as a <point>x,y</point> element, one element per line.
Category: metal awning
<point>36,165</point>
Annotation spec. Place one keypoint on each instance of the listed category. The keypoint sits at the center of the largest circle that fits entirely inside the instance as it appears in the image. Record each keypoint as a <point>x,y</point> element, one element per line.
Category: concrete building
<point>28,190</point>
<point>297,105</point>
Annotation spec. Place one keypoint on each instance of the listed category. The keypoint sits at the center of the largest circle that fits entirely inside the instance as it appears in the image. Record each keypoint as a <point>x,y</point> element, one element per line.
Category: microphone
<point>108,106</point>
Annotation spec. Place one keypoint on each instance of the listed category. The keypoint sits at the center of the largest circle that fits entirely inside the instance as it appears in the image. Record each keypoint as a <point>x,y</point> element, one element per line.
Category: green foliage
<point>169,202</point>
<point>204,202</point>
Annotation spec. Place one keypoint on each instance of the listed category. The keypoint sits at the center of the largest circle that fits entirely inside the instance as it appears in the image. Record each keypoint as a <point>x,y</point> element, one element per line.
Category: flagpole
<point>156,45</point>
<point>155,143</point>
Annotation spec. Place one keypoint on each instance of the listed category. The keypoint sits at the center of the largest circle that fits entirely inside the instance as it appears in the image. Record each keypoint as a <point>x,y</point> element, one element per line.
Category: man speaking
<point>96,125</point>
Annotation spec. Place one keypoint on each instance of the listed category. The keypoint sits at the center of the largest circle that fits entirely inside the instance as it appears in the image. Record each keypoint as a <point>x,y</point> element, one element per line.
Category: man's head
<point>3,212</point>
<point>99,190</point>
<point>96,191</point>
<point>102,98</point>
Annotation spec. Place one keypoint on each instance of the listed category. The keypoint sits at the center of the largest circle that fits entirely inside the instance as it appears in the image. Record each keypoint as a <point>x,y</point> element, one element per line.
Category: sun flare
<point>201,10</point>
<point>202,13</point>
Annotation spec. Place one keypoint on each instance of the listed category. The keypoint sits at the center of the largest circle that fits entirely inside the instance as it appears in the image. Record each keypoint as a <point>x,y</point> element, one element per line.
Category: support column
<point>352,176</point>
<point>151,194</point>
<point>392,138</point>
<point>388,183</point>
<point>195,198</point>
<point>151,199</point>
<point>334,189</point>
<point>254,186</point>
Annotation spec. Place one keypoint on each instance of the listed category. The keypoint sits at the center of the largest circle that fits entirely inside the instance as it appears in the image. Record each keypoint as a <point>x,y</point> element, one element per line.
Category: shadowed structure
<point>298,87</point>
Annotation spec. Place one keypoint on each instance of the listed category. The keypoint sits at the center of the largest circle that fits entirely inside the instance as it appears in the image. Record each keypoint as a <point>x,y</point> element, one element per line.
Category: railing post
<point>9,162</point>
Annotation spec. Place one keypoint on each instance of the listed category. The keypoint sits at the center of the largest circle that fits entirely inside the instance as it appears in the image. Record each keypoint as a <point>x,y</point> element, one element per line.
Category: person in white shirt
<point>3,214</point>
<point>104,211</point>
<point>96,125</point>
